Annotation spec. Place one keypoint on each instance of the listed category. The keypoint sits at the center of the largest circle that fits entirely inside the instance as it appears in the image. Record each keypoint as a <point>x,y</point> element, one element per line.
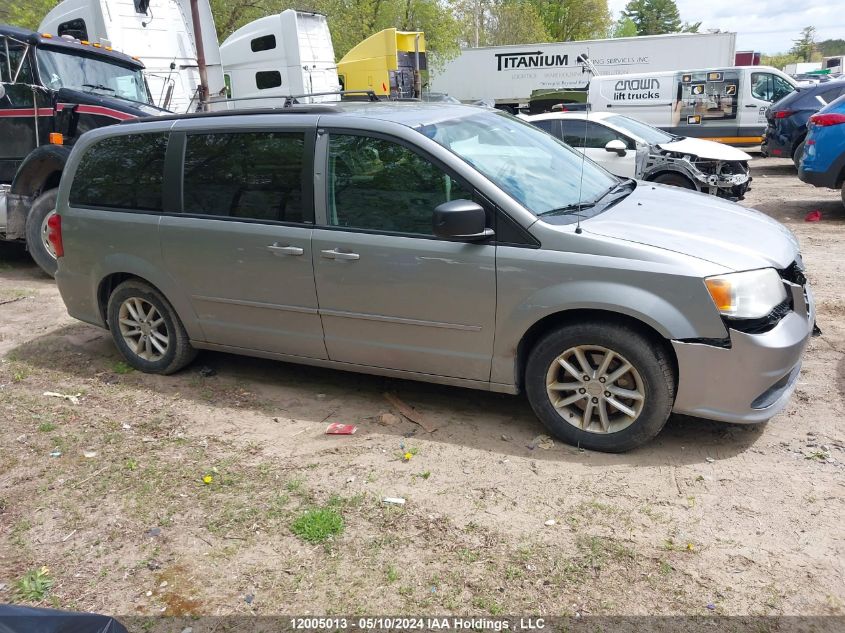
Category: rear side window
<point>552,126</point>
<point>122,172</point>
<point>251,176</point>
<point>581,133</point>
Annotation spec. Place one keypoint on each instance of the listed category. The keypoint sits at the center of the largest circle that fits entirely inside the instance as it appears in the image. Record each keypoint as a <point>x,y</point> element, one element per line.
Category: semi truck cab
<point>52,90</point>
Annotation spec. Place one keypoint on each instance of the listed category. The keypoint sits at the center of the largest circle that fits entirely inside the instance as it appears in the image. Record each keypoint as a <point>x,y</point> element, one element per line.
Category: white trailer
<point>801,68</point>
<point>509,74</point>
<point>160,33</point>
<point>281,55</point>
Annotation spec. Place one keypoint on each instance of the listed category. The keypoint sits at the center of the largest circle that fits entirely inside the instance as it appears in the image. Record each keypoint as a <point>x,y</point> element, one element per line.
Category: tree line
<point>448,24</point>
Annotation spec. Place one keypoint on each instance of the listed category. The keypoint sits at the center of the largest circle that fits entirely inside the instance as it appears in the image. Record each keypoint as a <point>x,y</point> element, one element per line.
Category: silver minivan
<point>436,242</point>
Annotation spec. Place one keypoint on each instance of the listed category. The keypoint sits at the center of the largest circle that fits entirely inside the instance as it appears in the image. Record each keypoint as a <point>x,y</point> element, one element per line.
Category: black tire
<point>42,208</point>
<point>648,357</point>
<point>676,180</point>
<point>797,154</point>
<point>179,352</point>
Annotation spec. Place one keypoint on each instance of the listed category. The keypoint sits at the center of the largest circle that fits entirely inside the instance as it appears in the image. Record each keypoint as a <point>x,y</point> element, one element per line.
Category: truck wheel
<point>600,386</point>
<point>676,180</point>
<point>797,154</point>
<point>147,330</point>
<point>37,244</point>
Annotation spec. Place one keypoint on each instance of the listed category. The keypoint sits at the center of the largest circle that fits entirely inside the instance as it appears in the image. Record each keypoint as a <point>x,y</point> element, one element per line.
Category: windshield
<point>646,132</point>
<point>79,72</point>
<point>536,169</point>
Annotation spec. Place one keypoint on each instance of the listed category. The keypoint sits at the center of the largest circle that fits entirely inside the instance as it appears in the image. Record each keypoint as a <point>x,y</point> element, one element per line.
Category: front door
<point>391,294</point>
<point>241,249</point>
<point>763,89</point>
<point>591,138</point>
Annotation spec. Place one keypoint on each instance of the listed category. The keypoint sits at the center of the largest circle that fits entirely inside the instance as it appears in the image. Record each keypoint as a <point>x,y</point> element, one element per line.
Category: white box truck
<point>280,55</point>
<point>508,75</point>
<point>160,33</point>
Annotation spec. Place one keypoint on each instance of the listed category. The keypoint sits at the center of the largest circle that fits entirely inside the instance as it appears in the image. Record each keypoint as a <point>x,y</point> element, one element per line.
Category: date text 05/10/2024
<point>453,623</point>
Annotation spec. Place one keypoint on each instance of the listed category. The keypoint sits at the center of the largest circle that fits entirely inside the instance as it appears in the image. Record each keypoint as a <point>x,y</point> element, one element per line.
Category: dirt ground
<point>110,493</point>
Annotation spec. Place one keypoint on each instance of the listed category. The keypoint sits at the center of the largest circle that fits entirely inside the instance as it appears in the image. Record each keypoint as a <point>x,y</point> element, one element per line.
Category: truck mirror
<point>616,146</point>
<point>2,91</point>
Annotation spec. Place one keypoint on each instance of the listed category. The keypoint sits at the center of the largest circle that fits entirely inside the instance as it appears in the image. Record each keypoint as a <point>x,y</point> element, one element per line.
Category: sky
<point>768,26</point>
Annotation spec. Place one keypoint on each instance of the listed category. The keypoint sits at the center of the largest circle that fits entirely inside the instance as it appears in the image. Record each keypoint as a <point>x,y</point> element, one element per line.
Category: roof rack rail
<point>290,100</point>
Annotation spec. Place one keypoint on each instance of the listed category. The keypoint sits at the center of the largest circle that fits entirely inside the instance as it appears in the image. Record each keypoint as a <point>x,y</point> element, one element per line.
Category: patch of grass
<point>392,574</point>
<point>120,367</point>
<point>294,486</point>
<point>46,427</point>
<point>819,456</point>
<point>487,604</point>
<point>34,585</point>
<point>20,528</point>
<point>317,526</point>
<point>423,475</point>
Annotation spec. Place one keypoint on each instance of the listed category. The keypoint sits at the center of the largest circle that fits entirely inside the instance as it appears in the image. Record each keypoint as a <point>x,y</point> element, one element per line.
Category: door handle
<point>276,249</point>
<point>751,105</point>
<point>336,253</point>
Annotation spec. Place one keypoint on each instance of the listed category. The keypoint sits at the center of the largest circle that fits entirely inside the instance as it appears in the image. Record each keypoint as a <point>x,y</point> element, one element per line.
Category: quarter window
<point>122,172</point>
<point>769,87</point>
<point>383,186</point>
<point>252,176</point>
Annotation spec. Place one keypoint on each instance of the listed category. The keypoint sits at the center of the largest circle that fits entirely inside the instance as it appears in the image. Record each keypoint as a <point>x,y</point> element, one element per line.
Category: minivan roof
<point>410,113</point>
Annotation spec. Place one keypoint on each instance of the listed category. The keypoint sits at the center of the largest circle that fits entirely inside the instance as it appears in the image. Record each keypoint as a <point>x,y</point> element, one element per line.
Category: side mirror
<point>461,220</point>
<point>2,91</point>
<point>616,146</point>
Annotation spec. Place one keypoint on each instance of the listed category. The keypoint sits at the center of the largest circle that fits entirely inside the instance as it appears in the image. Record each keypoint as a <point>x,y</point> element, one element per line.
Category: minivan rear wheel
<point>600,386</point>
<point>147,330</point>
<point>797,154</point>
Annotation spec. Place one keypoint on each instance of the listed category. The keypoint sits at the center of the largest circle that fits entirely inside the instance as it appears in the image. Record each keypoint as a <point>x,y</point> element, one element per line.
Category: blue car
<point>823,161</point>
<point>787,119</point>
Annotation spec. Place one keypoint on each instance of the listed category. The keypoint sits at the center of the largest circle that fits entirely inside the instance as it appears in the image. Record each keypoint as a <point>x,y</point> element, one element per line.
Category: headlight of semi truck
<point>747,295</point>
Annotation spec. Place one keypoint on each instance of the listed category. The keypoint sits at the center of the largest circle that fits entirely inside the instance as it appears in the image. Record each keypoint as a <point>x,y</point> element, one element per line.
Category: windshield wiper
<point>98,87</point>
<point>576,207</point>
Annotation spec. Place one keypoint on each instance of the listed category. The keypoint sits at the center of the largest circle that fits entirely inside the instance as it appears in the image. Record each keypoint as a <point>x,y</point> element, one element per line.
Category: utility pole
<point>202,89</point>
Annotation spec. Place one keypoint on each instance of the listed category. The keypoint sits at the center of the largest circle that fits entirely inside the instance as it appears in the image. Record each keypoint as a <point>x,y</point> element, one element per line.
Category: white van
<point>719,104</point>
<point>280,55</point>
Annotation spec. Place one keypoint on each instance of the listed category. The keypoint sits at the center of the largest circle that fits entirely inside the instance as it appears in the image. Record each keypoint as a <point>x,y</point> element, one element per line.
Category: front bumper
<point>753,379</point>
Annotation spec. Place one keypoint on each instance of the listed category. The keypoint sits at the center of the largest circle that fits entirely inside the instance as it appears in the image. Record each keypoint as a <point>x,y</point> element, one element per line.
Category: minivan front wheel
<point>147,330</point>
<point>600,386</point>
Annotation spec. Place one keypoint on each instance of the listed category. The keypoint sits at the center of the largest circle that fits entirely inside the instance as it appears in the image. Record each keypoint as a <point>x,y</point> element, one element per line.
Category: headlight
<point>746,295</point>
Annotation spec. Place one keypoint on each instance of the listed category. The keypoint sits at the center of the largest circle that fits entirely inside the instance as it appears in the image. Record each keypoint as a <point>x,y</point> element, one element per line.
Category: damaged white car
<point>631,149</point>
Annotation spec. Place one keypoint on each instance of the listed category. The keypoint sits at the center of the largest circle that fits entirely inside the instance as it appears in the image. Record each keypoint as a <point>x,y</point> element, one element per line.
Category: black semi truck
<point>52,90</point>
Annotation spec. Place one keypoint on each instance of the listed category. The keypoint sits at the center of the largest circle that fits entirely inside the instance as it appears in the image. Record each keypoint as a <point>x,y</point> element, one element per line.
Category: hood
<point>698,225</point>
<point>705,149</point>
<point>132,108</point>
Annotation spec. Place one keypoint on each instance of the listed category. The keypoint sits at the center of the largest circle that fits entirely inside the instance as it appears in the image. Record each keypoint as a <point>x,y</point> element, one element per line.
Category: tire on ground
<point>43,206</point>
<point>179,350</point>
<point>648,357</point>
<point>676,180</point>
<point>797,154</point>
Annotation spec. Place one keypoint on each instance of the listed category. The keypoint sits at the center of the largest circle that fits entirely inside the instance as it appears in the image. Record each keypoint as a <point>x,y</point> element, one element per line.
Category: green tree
<point>499,22</point>
<point>829,48</point>
<point>779,60</point>
<point>623,27</point>
<point>656,17</point>
<point>569,20</point>
<point>25,13</point>
<point>805,46</point>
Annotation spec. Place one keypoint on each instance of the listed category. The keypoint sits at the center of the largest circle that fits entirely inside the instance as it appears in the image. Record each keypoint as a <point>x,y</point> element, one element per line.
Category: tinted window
<point>548,125</point>
<point>75,28</point>
<point>379,185</point>
<point>268,79</point>
<point>829,94</point>
<point>255,176</point>
<point>582,133</point>
<point>263,43</point>
<point>122,172</point>
<point>15,56</point>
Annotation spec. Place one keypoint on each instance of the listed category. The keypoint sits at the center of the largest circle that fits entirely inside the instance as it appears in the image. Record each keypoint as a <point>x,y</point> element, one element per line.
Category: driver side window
<point>383,186</point>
